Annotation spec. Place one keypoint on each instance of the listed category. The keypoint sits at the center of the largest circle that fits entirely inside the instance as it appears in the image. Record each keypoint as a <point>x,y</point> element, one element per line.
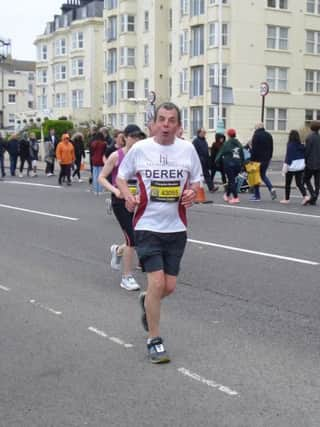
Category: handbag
<point>297,165</point>
<point>253,170</point>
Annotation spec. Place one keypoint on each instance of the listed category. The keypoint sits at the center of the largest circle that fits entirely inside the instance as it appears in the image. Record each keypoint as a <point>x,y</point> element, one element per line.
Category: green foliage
<point>35,130</point>
<point>60,126</point>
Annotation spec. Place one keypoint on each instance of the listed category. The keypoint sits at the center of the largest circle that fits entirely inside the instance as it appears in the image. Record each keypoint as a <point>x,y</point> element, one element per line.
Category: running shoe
<point>144,321</point>
<point>273,194</point>
<point>115,258</point>
<point>285,201</point>
<point>129,283</point>
<point>157,352</point>
<point>254,199</point>
<point>234,200</point>
<point>225,197</point>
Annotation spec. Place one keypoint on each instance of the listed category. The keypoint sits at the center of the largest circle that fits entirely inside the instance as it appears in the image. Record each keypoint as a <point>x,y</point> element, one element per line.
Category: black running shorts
<point>160,251</point>
<point>124,218</point>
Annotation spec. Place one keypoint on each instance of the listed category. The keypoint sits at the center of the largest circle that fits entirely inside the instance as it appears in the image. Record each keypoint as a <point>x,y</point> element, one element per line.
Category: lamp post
<point>220,122</point>
<point>264,90</point>
<point>4,53</point>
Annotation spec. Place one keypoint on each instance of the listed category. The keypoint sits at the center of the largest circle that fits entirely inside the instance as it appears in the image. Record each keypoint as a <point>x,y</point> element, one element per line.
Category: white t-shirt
<point>163,172</point>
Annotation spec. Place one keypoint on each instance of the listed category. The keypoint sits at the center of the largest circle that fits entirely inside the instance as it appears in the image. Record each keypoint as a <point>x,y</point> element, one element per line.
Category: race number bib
<point>132,184</point>
<point>165,191</point>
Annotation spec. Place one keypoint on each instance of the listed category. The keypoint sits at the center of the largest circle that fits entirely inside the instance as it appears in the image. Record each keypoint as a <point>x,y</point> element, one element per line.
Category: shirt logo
<point>163,160</point>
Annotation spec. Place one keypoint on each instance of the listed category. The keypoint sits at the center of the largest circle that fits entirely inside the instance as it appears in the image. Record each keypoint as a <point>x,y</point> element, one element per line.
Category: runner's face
<point>166,126</point>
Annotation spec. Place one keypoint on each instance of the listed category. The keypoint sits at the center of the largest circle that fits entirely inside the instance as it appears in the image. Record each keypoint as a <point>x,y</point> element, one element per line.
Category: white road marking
<point>248,251</point>
<point>45,307</point>
<point>272,211</point>
<point>38,212</point>
<point>33,184</point>
<point>3,288</point>
<point>209,383</point>
<point>113,339</point>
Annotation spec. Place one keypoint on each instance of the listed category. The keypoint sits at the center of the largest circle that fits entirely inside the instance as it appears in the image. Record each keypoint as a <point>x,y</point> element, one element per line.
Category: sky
<point>25,20</point>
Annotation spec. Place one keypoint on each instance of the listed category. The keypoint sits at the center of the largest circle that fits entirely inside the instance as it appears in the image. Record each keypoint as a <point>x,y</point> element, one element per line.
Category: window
<point>213,74</point>
<point>170,53</point>
<point>60,47</point>
<point>313,6</point>
<point>127,56</point>
<point>184,40</point>
<point>214,34</point>
<point>183,81</point>
<point>170,19</point>
<point>110,4</point>
<point>145,55</point>
<point>146,20</point>
<point>11,118</point>
<point>77,40</point>
<point>60,100</point>
<point>196,119</point>
<point>11,98</point>
<point>312,84</point>
<point>213,116</point>
<point>112,120</point>
<point>112,61</point>
<point>42,102</point>
<point>313,42</point>
<point>42,76</point>
<point>77,98</point>
<point>30,88</point>
<point>217,1</point>
<point>127,89</point>
<point>30,104</point>
<point>276,119</point>
<point>197,41</point>
<point>196,84</point>
<point>146,88</point>
<point>77,67</point>
<point>126,119</point>
<point>112,28</point>
<point>112,93</point>
<point>127,23</point>
<point>277,78</point>
<point>196,7</point>
<point>278,4</point>
<point>11,83</point>
<point>184,6</point>
<point>60,72</point>
<point>277,37</point>
<point>184,118</point>
<point>311,115</point>
<point>42,52</point>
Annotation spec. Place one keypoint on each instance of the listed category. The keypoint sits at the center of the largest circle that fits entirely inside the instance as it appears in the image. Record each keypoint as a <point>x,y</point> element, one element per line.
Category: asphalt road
<point>242,328</point>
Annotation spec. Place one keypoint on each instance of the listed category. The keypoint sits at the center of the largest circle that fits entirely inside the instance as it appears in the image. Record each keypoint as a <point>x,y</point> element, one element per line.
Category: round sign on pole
<point>264,88</point>
<point>152,97</point>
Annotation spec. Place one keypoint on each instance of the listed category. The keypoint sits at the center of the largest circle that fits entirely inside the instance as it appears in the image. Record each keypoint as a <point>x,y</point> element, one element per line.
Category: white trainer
<point>115,258</point>
<point>129,283</point>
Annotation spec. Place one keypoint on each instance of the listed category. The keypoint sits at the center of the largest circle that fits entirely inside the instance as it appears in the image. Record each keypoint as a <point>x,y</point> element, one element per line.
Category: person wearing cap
<point>168,171</point>
<point>132,133</point>
<point>65,157</point>
<point>231,155</point>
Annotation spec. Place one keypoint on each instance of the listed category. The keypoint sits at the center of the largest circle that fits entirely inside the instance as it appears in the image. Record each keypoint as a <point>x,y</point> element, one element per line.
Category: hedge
<point>60,126</point>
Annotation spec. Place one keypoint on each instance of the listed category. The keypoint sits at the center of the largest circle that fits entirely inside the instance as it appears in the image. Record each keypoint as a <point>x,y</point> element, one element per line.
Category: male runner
<point>168,172</point>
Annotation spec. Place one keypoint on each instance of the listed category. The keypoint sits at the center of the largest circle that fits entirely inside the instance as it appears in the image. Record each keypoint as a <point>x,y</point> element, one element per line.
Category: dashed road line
<point>16,208</point>
<point>115,340</point>
<point>33,184</point>
<point>3,288</point>
<point>248,251</point>
<point>45,307</point>
<point>209,383</point>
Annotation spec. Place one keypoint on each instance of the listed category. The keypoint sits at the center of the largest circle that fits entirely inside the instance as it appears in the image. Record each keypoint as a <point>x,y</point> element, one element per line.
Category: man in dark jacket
<point>261,151</point>
<point>313,162</point>
<point>3,147</point>
<point>51,140</point>
<point>201,146</point>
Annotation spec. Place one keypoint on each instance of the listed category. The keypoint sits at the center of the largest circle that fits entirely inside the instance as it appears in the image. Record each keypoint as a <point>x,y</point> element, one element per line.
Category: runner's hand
<point>188,197</point>
<point>132,202</point>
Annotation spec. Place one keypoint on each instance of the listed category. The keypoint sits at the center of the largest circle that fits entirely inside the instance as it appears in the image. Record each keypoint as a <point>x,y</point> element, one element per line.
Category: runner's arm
<point>106,171</point>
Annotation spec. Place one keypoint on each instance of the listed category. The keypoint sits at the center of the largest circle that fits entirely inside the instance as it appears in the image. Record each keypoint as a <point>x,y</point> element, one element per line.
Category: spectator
<point>78,145</point>
<point>51,142</point>
<point>24,150</point>
<point>98,146</point>
<point>215,148</point>
<point>201,145</point>
<point>3,147</point>
<point>262,151</point>
<point>34,150</point>
<point>65,156</point>
<point>313,162</point>
<point>13,150</point>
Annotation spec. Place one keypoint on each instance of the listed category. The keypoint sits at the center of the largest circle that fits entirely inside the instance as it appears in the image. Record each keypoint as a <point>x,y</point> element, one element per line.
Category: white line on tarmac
<point>38,212</point>
<point>209,383</point>
<point>45,307</point>
<point>3,288</point>
<point>113,339</point>
<point>220,205</point>
<point>34,184</point>
<point>248,251</point>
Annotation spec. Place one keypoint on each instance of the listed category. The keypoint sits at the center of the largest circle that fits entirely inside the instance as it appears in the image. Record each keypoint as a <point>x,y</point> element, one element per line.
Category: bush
<point>35,130</point>
<point>60,126</point>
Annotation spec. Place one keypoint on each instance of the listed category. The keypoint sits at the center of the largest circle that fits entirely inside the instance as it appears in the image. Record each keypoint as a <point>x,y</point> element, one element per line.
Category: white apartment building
<point>17,87</point>
<point>70,63</point>
<point>171,47</point>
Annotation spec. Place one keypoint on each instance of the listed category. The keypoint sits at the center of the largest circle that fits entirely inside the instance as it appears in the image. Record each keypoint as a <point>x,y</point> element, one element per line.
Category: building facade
<point>69,63</point>
<point>172,47</point>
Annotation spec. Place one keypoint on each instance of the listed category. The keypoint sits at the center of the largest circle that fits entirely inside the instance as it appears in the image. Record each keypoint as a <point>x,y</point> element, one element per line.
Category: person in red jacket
<point>98,146</point>
<point>66,157</point>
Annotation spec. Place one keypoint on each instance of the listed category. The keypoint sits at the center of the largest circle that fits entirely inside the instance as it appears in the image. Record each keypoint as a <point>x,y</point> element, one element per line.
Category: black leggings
<point>308,174</point>
<point>124,218</point>
<point>299,183</point>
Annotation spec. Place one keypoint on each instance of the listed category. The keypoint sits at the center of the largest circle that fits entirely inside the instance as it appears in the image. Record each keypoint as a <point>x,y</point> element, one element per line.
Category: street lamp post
<point>264,90</point>
<point>4,52</point>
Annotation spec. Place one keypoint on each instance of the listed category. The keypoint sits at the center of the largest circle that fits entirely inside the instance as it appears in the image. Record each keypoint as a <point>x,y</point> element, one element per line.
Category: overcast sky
<point>22,20</point>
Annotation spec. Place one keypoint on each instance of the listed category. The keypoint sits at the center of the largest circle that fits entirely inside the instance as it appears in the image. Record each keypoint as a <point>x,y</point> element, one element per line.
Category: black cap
<point>131,129</point>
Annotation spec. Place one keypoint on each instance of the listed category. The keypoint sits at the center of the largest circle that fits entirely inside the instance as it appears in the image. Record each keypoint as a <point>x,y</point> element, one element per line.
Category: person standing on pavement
<point>78,145</point>
<point>262,151</point>
<point>98,146</point>
<point>215,148</point>
<point>13,150</point>
<point>66,157</point>
<point>294,164</point>
<point>201,145</point>
<point>168,172</point>
<point>34,150</point>
<point>313,162</point>
<point>51,142</point>
<point>3,147</point>
<point>24,150</point>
